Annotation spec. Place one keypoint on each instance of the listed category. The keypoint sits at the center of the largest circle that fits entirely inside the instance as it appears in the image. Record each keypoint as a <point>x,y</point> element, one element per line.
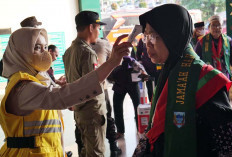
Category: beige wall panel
<point>56,15</point>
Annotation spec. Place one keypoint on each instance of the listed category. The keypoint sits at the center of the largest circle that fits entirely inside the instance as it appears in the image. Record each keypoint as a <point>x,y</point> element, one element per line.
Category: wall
<point>56,15</point>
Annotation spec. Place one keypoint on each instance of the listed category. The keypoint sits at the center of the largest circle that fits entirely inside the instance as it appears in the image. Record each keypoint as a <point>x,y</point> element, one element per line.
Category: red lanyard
<point>217,53</point>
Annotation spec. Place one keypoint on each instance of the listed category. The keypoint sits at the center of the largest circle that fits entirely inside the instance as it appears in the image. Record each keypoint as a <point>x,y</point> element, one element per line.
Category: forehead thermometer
<point>137,30</point>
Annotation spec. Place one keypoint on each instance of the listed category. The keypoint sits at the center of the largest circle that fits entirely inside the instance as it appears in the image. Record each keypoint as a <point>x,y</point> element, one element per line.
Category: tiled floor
<point>130,140</point>
<point>127,144</point>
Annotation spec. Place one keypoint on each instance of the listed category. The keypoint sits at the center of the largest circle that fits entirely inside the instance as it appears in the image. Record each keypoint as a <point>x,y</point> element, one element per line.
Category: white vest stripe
<point>42,123</point>
<point>41,130</point>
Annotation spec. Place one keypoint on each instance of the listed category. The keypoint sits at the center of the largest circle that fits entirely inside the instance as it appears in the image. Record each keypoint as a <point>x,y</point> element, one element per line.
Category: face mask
<point>42,61</point>
<point>201,32</point>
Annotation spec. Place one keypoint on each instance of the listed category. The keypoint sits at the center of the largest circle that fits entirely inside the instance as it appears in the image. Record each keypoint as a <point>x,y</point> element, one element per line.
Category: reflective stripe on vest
<point>41,130</point>
<point>52,125</point>
<point>41,123</point>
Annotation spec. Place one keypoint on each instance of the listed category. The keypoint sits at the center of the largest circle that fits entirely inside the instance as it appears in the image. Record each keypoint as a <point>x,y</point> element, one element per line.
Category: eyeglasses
<point>150,38</point>
<point>216,26</point>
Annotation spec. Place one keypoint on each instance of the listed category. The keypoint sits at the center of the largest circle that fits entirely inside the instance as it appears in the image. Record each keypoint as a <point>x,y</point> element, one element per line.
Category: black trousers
<point>149,89</point>
<point>118,98</point>
<point>110,129</point>
<point>154,78</point>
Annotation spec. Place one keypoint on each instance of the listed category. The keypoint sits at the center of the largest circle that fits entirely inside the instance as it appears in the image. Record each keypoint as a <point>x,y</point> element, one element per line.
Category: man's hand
<point>119,50</point>
<point>61,81</point>
<point>144,76</point>
<point>71,108</point>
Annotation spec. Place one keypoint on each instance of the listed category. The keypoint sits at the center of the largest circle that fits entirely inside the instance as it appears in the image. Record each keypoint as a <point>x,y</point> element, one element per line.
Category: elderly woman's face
<point>42,59</point>
<point>156,48</point>
<point>215,29</point>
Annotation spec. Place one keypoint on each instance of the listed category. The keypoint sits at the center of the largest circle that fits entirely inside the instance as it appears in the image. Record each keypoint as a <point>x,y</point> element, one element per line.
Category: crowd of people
<point>190,111</point>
